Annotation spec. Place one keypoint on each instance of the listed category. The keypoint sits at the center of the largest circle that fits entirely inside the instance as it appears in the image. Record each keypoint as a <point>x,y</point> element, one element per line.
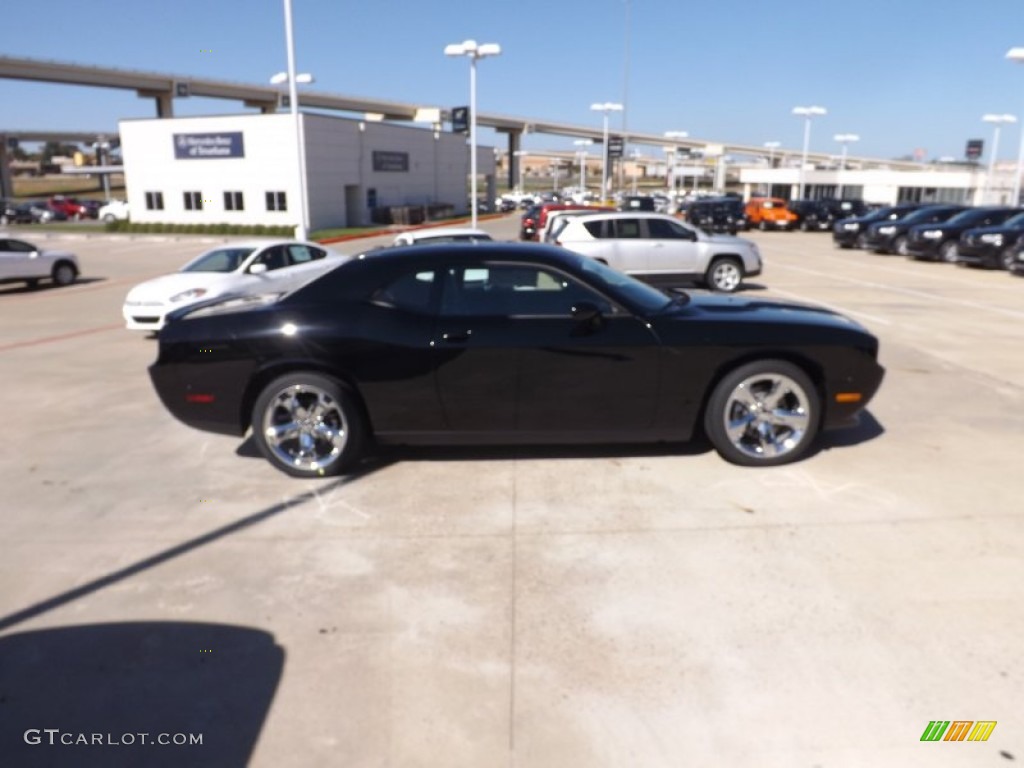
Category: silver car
<point>23,261</point>
<point>661,249</point>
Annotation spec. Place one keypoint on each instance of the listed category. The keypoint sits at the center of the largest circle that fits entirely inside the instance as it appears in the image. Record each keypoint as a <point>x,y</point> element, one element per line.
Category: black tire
<point>778,427</point>
<point>762,225</point>
<point>804,226</point>
<point>309,450</point>
<point>862,242</point>
<point>724,274</point>
<point>109,217</point>
<point>947,252</point>
<point>64,273</point>
<point>899,245</point>
<point>1006,258</point>
<point>32,284</point>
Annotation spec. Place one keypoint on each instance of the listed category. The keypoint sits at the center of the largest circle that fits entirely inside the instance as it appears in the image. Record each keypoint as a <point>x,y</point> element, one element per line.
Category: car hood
<point>162,288</point>
<point>726,239</point>
<point>759,310</point>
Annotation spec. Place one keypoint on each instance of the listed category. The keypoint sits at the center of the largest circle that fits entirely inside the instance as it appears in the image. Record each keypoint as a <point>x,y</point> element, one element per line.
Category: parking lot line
<point>833,307</point>
<point>59,337</point>
<point>905,291</point>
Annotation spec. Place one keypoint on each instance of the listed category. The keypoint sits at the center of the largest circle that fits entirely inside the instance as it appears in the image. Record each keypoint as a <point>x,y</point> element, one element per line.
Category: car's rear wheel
<point>947,252</point>
<point>109,217</point>
<point>763,414</point>
<point>308,425</point>
<point>64,273</point>
<point>724,274</point>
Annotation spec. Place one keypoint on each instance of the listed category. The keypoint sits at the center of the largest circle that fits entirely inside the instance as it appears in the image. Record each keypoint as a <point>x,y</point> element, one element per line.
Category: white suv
<point>660,248</point>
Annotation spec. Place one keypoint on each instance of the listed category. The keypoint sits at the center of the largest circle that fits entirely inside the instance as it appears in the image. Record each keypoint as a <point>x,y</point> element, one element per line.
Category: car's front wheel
<point>724,274</point>
<point>763,414</point>
<point>948,252</point>
<point>64,273</point>
<point>899,245</point>
<point>308,425</point>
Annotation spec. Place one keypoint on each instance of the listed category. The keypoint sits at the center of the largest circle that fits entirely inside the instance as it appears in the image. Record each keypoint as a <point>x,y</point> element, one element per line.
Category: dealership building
<point>243,169</point>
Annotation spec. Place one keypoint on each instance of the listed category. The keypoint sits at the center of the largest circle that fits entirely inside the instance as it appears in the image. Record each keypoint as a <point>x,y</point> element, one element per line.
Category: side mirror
<point>257,269</point>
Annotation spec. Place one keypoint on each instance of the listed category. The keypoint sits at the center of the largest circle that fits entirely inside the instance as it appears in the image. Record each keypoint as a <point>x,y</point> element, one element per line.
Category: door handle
<point>456,337</point>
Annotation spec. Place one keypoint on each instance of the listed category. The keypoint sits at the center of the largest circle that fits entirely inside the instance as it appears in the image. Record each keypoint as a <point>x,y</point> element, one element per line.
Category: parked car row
<point>991,237</point>
<point>60,208</point>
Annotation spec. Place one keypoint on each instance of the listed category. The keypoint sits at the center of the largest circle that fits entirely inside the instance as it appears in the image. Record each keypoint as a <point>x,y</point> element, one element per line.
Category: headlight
<point>992,239</point>
<point>851,226</point>
<point>887,230</point>
<point>932,234</point>
<point>191,293</point>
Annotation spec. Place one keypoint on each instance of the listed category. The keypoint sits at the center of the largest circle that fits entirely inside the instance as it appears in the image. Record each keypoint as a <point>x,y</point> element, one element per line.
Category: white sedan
<point>432,236</point>
<point>114,210</point>
<point>244,268</point>
<point>22,261</point>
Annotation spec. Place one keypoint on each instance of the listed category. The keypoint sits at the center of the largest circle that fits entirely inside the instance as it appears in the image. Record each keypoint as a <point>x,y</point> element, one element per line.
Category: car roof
<point>443,232</point>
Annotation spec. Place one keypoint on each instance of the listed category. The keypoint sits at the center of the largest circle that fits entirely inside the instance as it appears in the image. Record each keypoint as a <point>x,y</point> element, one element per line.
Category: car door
<point>17,260</point>
<point>673,247</point>
<point>274,275</point>
<point>514,357</point>
<point>304,263</point>
<point>630,251</point>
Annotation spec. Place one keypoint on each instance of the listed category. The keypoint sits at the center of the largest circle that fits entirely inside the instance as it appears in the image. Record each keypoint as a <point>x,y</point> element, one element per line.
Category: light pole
<point>844,139</point>
<point>474,51</point>
<point>555,166</point>
<point>606,107</point>
<point>582,154</point>
<point>302,230</point>
<point>806,113</point>
<point>997,120</point>
<point>672,156</point>
<point>1017,54</point>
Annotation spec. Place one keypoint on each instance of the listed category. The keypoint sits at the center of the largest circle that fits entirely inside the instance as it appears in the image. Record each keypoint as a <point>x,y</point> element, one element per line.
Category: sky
<point>904,75</point>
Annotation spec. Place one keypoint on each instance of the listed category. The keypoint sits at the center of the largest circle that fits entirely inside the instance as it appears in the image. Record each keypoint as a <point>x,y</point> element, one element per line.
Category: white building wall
<point>147,147</point>
<point>340,175</point>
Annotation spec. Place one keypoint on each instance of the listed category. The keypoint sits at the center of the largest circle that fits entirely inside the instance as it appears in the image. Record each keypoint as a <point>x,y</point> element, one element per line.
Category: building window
<point>233,201</point>
<point>276,201</point>
<point>154,201</point>
<point>193,201</point>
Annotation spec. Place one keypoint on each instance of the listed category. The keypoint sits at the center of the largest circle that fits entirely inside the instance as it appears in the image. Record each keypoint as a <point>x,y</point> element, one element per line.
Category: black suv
<point>992,247</point>
<point>938,241</point>
<point>810,214</point>
<point>718,214</point>
<point>637,203</point>
<point>891,236</point>
<point>850,233</point>
<point>844,209</point>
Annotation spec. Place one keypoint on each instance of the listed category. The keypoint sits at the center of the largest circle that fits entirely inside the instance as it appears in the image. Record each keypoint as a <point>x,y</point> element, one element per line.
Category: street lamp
<point>771,146</point>
<point>672,156</point>
<point>582,155</point>
<point>807,113</point>
<point>844,139</point>
<point>555,166</point>
<point>474,51</point>
<point>1017,54</point>
<point>606,108</point>
<point>997,120</point>
<point>293,79</point>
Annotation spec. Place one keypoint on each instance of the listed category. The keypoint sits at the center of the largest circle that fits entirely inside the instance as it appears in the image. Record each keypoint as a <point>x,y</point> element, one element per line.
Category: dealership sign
<point>390,161</point>
<point>203,146</point>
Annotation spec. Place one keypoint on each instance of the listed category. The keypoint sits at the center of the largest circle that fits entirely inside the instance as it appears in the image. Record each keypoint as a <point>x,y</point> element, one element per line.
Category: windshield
<point>968,216</point>
<point>648,298</point>
<point>1017,222</point>
<point>220,260</point>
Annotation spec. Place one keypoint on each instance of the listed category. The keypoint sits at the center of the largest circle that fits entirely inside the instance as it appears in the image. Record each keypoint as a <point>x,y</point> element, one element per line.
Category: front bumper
<point>978,255</point>
<point>924,249</point>
<point>145,316</point>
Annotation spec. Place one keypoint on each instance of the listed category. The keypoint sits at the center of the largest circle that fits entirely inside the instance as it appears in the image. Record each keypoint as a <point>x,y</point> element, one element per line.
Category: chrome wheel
<point>725,275</point>
<point>305,428</point>
<point>1006,258</point>
<point>948,253</point>
<point>763,414</point>
<point>900,246</point>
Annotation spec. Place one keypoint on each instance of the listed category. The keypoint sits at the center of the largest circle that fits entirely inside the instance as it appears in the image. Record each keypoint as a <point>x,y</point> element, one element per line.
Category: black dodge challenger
<point>508,343</point>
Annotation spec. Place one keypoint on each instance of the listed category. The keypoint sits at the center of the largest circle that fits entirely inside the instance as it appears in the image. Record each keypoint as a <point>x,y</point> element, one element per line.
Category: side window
<point>303,254</point>
<point>627,228</point>
<point>274,258</point>
<point>19,246</point>
<point>411,292</point>
<point>659,229</point>
<point>511,290</point>
<point>596,228</point>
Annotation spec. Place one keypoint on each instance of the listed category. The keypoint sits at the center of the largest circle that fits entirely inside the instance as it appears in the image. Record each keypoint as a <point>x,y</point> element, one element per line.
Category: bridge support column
<point>6,184</point>
<point>164,102</point>
<point>514,139</point>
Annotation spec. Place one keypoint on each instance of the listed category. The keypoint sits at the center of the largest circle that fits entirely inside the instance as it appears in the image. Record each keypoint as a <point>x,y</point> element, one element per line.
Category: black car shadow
<point>100,695</point>
<point>867,428</point>
<point>382,456</point>
<point>16,288</point>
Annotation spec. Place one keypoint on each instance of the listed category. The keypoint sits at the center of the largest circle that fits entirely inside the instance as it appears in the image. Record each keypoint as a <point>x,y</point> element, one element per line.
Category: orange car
<point>769,213</point>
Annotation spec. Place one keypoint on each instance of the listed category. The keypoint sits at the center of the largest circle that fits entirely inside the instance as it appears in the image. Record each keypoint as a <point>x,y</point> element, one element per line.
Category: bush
<point>220,228</point>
